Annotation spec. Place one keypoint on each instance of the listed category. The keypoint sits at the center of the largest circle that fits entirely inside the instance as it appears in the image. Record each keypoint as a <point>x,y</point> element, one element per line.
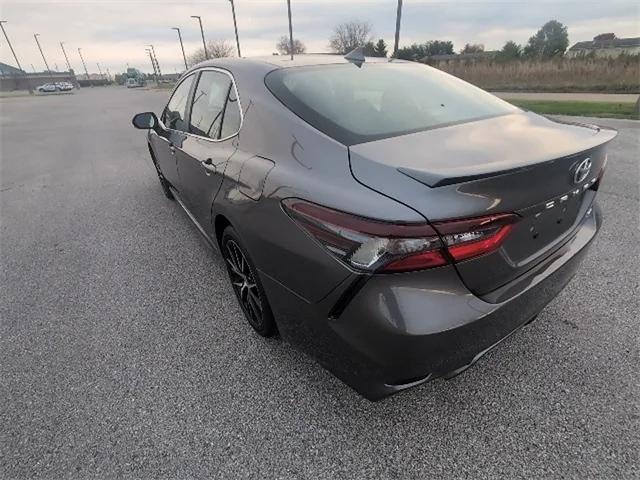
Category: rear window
<point>380,100</point>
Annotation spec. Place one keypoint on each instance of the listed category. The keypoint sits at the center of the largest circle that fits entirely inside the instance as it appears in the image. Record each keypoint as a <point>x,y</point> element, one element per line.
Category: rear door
<point>172,133</point>
<point>214,122</point>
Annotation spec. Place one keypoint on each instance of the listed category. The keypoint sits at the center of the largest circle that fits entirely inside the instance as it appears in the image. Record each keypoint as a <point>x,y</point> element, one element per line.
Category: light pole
<point>204,44</point>
<point>153,65</point>
<point>36,35</point>
<point>398,18</point>
<point>85,67</point>
<point>290,29</point>
<point>235,25</point>
<point>14,53</point>
<point>181,46</point>
<point>65,56</point>
<point>155,58</point>
<point>100,71</point>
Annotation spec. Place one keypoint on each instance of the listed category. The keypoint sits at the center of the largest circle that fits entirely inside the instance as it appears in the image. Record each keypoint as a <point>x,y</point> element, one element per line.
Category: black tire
<point>246,284</point>
<point>163,181</point>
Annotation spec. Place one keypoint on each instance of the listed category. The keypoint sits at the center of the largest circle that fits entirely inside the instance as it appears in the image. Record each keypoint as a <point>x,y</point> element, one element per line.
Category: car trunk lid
<point>519,163</point>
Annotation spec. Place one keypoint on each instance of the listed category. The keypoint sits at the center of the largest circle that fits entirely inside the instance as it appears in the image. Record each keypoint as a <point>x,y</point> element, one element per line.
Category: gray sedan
<point>391,220</point>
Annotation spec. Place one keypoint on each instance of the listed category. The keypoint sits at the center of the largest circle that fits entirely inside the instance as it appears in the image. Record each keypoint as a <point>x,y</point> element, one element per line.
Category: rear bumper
<point>401,330</point>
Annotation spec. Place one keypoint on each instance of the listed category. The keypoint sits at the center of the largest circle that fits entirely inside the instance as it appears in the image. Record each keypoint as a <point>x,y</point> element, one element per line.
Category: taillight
<point>377,246</point>
<point>477,236</point>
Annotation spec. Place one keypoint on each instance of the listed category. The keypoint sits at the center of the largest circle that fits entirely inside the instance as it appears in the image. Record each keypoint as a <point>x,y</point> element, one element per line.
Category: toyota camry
<point>389,219</point>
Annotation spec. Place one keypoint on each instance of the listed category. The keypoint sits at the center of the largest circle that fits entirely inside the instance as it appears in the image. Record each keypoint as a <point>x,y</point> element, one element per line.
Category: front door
<point>213,124</point>
<point>174,119</point>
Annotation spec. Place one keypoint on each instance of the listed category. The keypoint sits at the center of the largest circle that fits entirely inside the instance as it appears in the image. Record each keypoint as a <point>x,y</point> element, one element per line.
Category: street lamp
<point>65,56</point>
<point>181,46</point>
<point>36,35</point>
<point>204,44</point>
<point>100,70</point>
<point>85,67</point>
<point>398,18</point>
<point>14,54</point>
<point>235,25</point>
<point>153,65</point>
<point>290,29</point>
<point>155,58</point>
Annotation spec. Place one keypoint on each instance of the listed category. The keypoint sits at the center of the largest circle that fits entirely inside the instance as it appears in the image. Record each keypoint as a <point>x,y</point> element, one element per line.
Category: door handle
<point>172,149</point>
<point>209,165</point>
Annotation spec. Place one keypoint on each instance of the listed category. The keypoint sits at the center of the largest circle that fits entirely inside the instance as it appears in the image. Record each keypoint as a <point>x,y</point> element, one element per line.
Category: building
<point>8,70</point>
<point>605,45</point>
<point>12,78</point>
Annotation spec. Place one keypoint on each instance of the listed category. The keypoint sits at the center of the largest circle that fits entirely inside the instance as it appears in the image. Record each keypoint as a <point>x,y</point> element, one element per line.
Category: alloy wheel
<point>244,283</point>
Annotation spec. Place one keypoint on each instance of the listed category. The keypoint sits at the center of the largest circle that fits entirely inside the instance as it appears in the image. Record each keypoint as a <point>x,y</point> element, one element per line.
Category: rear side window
<point>209,99</point>
<point>175,112</point>
<point>231,121</point>
<point>380,100</point>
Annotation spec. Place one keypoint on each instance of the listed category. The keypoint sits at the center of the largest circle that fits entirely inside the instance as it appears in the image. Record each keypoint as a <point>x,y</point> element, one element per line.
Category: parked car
<point>47,87</point>
<point>64,86</point>
<point>392,220</point>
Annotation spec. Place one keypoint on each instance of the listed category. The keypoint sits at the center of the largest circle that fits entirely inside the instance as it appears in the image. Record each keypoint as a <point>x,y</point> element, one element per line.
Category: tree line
<point>550,41</point>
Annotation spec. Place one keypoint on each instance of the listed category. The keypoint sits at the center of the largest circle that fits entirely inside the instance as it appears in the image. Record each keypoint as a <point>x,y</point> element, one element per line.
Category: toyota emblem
<point>582,171</point>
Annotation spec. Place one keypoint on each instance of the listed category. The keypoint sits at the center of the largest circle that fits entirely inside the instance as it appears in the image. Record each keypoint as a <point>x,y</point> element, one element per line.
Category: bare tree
<point>216,49</point>
<point>350,35</point>
<point>283,46</point>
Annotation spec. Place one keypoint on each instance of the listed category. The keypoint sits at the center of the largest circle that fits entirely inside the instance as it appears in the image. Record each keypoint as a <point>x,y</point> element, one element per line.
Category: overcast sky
<point>114,32</point>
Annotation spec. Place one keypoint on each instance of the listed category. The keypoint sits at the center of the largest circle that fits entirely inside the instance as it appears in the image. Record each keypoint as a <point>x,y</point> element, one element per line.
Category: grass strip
<point>583,109</point>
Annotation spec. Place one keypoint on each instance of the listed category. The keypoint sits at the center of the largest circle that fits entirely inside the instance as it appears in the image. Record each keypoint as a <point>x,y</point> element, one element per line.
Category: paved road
<point>576,97</point>
<point>123,352</point>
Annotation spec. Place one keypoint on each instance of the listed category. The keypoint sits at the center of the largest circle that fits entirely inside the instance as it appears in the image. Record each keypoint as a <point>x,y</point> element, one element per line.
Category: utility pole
<point>36,35</point>
<point>155,58</point>
<point>65,56</point>
<point>153,65</point>
<point>398,18</point>
<point>85,67</point>
<point>14,53</point>
<point>204,44</point>
<point>235,26</point>
<point>290,30</point>
<point>181,46</point>
<point>108,75</point>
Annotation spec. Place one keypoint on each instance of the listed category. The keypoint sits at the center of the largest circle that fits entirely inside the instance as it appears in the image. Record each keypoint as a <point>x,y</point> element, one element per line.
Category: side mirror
<point>145,121</point>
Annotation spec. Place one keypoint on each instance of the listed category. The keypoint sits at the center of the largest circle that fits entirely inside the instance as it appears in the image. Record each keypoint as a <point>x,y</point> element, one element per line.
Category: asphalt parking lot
<point>123,351</point>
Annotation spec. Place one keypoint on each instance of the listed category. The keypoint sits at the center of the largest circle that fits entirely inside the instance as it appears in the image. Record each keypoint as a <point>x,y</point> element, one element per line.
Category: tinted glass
<point>175,112</point>
<point>208,104</point>
<point>231,122</point>
<point>356,105</point>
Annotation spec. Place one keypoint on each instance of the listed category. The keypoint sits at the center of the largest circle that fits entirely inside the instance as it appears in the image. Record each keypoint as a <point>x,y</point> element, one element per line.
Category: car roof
<point>283,61</point>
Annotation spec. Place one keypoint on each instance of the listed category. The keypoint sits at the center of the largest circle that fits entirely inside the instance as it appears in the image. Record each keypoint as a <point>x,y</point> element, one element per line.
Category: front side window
<point>174,115</point>
<point>380,100</point>
<point>207,110</point>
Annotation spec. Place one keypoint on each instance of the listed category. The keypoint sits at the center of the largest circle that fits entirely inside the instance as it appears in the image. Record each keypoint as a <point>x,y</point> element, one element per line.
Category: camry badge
<point>582,171</point>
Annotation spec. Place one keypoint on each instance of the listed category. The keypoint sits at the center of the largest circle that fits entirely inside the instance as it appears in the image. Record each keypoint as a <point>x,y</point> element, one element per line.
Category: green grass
<point>585,109</point>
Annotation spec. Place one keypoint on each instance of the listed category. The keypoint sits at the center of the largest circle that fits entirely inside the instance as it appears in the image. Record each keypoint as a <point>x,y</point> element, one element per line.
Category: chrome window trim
<point>235,89</point>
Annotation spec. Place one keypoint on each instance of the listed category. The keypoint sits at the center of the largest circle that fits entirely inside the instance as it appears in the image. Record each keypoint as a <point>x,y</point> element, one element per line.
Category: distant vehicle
<point>134,78</point>
<point>392,220</point>
<point>47,87</point>
<point>134,82</point>
<point>64,86</point>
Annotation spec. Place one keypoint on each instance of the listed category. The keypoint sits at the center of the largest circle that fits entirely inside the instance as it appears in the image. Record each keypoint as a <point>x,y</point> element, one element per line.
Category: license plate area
<point>543,224</point>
